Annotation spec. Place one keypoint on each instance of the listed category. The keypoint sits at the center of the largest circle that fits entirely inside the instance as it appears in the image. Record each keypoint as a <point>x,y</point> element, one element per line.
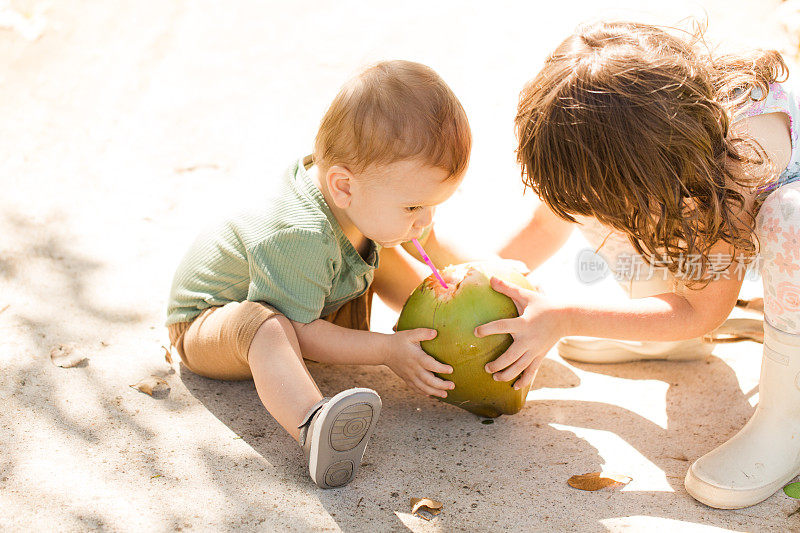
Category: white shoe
<point>334,435</point>
<point>765,454</point>
<point>597,350</point>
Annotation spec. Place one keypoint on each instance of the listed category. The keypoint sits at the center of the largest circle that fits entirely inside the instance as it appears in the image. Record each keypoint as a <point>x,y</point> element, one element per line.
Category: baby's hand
<point>410,362</point>
<point>535,331</point>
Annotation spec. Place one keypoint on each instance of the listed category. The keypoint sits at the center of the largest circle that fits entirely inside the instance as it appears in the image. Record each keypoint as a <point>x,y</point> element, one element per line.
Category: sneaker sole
<point>341,434</point>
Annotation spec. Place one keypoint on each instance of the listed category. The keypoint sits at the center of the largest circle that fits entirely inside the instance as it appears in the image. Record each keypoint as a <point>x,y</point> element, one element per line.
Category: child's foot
<point>334,435</point>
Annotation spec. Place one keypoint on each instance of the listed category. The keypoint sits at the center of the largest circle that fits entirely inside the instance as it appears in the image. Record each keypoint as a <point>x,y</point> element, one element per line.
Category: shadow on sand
<point>501,474</point>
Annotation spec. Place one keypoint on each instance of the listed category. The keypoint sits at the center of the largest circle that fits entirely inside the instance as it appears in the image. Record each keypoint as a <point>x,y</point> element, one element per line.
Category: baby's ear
<point>339,181</point>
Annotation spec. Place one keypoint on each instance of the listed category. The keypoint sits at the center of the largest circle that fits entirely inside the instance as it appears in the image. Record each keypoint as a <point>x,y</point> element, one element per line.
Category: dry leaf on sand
<point>598,480</point>
<point>167,355</point>
<point>64,356</point>
<point>425,508</point>
<point>153,385</point>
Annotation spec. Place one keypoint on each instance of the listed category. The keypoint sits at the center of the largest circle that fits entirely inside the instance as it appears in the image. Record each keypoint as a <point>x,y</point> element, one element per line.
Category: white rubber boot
<point>765,454</point>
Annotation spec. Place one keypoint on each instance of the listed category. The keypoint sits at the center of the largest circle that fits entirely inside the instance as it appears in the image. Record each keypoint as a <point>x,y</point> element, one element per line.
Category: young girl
<point>689,163</point>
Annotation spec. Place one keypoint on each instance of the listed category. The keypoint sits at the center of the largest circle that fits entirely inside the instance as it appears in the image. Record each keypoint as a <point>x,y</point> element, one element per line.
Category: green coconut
<point>455,312</point>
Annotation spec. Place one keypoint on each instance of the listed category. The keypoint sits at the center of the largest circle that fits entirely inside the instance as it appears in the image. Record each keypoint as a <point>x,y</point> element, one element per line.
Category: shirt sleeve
<point>293,270</point>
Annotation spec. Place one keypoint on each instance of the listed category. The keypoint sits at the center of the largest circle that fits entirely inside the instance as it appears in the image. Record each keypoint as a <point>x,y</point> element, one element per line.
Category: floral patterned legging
<point>778,230</point>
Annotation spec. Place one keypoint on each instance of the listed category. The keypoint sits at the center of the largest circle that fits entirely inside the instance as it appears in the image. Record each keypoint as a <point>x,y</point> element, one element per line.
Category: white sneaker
<point>597,350</point>
<point>765,454</point>
<point>334,435</point>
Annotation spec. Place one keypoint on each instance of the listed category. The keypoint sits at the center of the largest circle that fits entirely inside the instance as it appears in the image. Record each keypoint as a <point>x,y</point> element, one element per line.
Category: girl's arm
<point>543,236</point>
<point>664,317</point>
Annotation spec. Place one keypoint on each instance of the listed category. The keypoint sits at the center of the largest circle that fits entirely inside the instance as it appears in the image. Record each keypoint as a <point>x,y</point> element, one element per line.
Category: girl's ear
<point>340,181</point>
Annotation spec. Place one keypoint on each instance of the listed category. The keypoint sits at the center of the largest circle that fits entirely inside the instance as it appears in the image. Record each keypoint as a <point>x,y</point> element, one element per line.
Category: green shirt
<point>292,254</point>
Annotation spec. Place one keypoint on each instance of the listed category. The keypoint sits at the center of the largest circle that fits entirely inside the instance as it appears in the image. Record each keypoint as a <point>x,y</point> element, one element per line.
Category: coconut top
<point>457,277</point>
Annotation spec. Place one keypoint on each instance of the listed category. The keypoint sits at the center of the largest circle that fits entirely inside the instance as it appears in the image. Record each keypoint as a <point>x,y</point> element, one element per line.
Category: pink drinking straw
<point>430,263</point>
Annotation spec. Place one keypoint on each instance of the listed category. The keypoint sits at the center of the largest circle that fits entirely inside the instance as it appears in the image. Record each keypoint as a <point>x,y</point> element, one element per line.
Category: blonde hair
<point>393,111</point>
<point>630,124</point>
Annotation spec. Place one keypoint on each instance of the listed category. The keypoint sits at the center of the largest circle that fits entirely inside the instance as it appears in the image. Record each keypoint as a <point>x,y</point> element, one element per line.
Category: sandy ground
<point>128,125</point>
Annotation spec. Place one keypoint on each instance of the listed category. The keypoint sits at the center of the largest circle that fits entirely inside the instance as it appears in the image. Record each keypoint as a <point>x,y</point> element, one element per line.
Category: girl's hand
<point>406,359</point>
<point>535,331</point>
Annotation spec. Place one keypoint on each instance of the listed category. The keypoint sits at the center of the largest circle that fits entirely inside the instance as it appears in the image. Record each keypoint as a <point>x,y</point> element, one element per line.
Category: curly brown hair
<point>629,123</point>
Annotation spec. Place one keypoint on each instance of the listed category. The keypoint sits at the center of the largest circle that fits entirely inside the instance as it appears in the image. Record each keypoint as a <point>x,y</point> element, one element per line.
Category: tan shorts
<point>216,343</point>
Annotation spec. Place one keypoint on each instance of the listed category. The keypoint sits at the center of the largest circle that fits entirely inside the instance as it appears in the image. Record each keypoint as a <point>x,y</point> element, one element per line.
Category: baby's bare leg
<point>282,380</point>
